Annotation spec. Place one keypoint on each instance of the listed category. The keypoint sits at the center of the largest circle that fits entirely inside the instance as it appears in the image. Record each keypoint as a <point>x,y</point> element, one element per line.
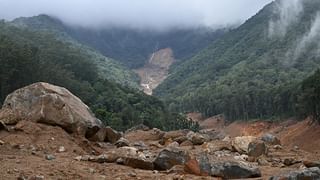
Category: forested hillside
<point>129,46</point>
<point>107,68</point>
<point>253,71</point>
<point>31,56</point>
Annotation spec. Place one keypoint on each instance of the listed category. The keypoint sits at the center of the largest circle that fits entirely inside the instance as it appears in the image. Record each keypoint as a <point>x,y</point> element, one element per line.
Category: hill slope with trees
<point>253,71</point>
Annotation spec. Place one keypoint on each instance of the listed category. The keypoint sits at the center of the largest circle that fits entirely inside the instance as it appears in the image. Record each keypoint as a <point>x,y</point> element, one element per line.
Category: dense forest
<point>249,73</point>
<point>29,56</point>
<point>131,47</point>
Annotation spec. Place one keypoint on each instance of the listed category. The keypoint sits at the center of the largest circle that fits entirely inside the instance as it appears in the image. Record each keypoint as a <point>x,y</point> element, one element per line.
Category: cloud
<point>286,13</point>
<point>311,38</point>
<point>155,14</point>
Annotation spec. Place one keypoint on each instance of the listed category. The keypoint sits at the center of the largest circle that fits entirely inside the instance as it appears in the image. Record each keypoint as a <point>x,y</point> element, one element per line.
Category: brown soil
<point>155,70</point>
<point>24,151</point>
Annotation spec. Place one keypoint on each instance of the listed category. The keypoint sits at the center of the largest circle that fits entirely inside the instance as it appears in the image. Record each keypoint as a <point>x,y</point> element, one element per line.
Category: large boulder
<point>305,174</point>
<point>241,143</point>
<point>234,170</point>
<point>257,148</point>
<point>196,138</point>
<point>49,104</point>
<point>226,170</point>
<point>170,157</point>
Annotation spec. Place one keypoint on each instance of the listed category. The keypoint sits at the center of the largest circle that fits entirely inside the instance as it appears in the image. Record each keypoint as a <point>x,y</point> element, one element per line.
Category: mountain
<point>254,70</point>
<point>108,68</point>
<point>134,47</point>
<point>28,56</point>
<point>129,46</point>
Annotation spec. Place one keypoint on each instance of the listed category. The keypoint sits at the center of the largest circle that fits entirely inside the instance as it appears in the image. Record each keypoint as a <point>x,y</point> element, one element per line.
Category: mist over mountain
<point>156,15</point>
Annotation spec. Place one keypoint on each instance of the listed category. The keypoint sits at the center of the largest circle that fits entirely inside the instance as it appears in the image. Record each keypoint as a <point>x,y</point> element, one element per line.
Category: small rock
<point>173,145</point>
<point>278,147</point>
<point>186,143</point>
<point>138,127</point>
<point>241,144</point>
<point>139,163</point>
<point>112,135</point>
<point>310,164</point>
<point>290,161</point>
<point>193,167</point>
<point>22,177</point>
<point>122,142</point>
<point>92,171</point>
<point>61,149</point>
<point>296,148</point>
<point>177,169</point>
<point>132,174</point>
<point>140,145</point>
<point>50,157</point>
<point>37,177</point>
<point>262,161</point>
<point>270,139</point>
<point>196,138</point>
<point>213,146</point>
<point>1,142</point>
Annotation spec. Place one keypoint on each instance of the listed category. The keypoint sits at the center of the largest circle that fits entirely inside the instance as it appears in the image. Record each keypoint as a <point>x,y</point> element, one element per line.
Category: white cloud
<point>288,12</point>
<point>158,14</point>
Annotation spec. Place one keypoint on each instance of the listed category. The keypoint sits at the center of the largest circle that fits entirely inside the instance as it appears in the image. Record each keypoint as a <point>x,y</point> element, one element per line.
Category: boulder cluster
<point>182,151</point>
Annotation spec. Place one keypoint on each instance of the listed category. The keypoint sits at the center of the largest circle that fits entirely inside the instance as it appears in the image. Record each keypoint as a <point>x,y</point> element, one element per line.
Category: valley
<point>172,93</point>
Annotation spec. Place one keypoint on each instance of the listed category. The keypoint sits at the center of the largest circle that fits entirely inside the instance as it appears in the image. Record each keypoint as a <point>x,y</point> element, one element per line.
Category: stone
<point>169,157</point>
<point>122,142</point>
<point>196,138</point>
<point>277,147</point>
<point>132,174</point>
<point>179,136</point>
<point>61,149</point>
<point>309,173</point>
<point>49,104</point>
<point>138,127</point>
<point>186,143</point>
<point>177,169</point>
<point>140,163</point>
<point>262,161</point>
<point>37,177</point>
<point>173,145</point>
<point>257,148</point>
<point>270,139</point>
<point>193,167</point>
<point>213,146</point>
<point>1,142</point>
<point>50,157</point>
<point>290,161</point>
<point>241,143</point>
<point>112,135</point>
<point>225,170</point>
<point>310,164</point>
<point>99,136</point>
<point>140,145</point>
<point>104,158</point>
<point>233,170</point>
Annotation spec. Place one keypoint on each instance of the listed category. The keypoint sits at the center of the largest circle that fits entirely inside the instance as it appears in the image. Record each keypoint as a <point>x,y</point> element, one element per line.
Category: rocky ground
<point>37,151</point>
<point>47,133</point>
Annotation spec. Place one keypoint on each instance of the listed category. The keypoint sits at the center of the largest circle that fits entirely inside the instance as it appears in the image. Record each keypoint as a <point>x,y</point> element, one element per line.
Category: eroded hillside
<point>155,71</point>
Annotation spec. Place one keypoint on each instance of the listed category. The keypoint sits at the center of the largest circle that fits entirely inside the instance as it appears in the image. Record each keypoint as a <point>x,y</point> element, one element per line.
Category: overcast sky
<point>159,14</point>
